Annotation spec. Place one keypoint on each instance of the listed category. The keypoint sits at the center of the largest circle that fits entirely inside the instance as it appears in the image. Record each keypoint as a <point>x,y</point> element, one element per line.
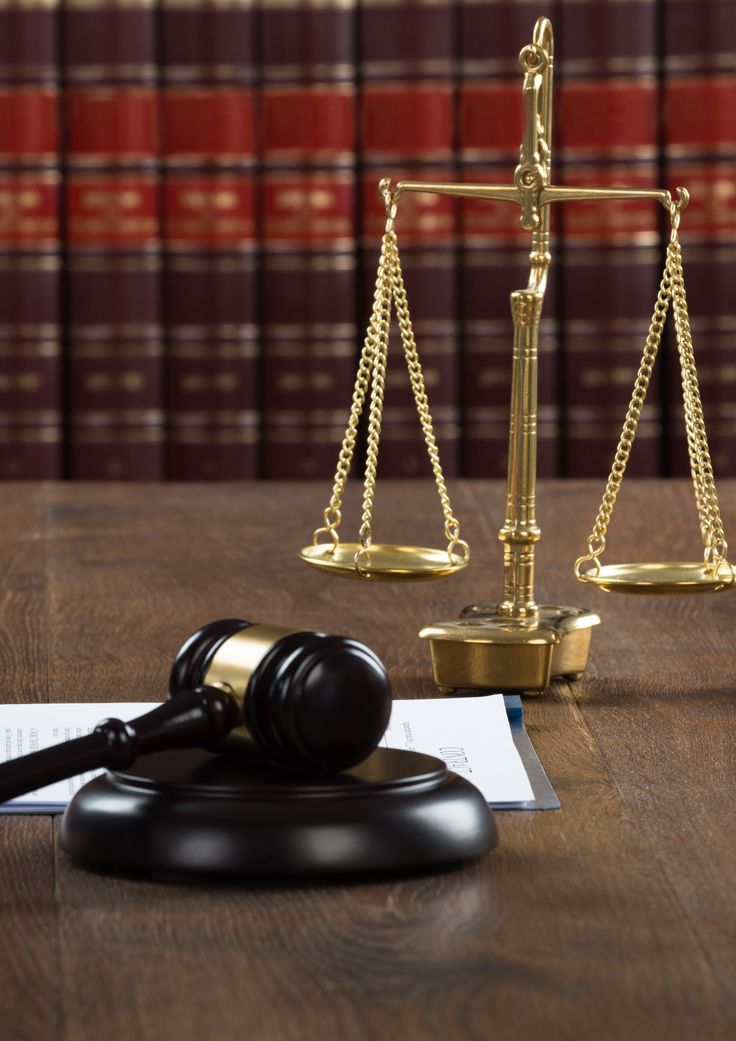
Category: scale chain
<point>377,330</point>
<point>709,514</point>
<point>671,291</point>
<point>372,374</point>
<point>597,540</point>
<point>378,386</point>
<point>408,341</point>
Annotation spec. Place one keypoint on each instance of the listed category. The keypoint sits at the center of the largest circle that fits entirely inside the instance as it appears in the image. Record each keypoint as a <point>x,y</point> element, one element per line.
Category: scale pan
<point>384,562</point>
<point>665,579</point>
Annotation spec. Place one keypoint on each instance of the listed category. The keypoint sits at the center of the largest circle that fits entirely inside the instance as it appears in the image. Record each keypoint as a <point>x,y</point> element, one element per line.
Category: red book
<point>113,249</point>
<point>407,132</point>
<point>700,154</point>
<point>494,257</point>
<point>30,378</point>
<point>308,208</point>
<point>612,264</point>
<point>210,241</point>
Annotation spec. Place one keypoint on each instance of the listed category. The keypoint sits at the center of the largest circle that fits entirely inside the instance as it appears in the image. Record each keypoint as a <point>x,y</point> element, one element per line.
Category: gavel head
<point>304,697</point>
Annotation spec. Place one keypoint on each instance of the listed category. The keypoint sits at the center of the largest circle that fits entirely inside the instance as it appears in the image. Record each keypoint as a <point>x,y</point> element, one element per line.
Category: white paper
<point>472,735</point>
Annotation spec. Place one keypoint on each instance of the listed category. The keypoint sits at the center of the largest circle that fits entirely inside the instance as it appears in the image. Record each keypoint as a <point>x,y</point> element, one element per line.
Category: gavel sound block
<point>266,765</point>
<point>194,812</point>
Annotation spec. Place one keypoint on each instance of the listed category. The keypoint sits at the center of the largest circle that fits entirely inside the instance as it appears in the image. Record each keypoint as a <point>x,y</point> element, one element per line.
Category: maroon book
<point>494,257</point>
<point>30,377</point>
<point>700,154</point>
<point>407,133</point>
<point>210,294</point>
<point>113,248</point>
<point>308,206</point>
<point>611,263</point>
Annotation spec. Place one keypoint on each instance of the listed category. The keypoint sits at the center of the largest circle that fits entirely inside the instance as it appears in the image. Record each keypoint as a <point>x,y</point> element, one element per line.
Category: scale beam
<point>499,192</point>
<point>546,195</point>
<point>555,193</point>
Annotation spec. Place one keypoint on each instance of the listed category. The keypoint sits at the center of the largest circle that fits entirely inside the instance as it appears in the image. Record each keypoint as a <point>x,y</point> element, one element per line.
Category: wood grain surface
<point>613,918</point>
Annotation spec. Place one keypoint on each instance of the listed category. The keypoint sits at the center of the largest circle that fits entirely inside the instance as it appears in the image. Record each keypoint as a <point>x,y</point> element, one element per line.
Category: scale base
<point>484,650</point>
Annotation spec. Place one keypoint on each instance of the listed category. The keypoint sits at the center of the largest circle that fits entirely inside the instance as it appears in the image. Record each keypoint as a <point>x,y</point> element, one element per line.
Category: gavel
<point>297,697</point>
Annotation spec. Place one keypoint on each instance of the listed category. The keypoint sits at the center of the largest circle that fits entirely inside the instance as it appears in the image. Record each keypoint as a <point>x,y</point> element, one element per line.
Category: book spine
<point>700,154</point>
<point>113,250</point>
<point>611,265</point>
<point>308,115</point>
<point>210,293</point>
<point>494,258</point>
<point>30,378</point>
<point>407,66</point>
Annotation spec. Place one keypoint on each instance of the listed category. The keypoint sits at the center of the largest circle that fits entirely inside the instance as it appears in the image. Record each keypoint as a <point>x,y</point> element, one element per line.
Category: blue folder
<point>545,797</point>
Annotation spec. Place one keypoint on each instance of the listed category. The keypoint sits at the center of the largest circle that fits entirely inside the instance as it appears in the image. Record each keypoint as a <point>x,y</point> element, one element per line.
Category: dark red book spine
<point>307,200</point>
<point>407,133</point>
<point>30,381</point>
<point>210,293</point>
<point>494,257</point>
<point>113,248</point>
<point>611,264</point>
<point>700,154</point>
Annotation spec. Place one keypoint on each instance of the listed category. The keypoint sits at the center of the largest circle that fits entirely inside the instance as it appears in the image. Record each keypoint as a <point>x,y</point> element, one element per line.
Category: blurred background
<point>190,228</point>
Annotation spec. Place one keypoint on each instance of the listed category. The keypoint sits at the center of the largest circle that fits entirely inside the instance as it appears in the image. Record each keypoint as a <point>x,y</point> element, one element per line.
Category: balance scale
<point>518,644</point>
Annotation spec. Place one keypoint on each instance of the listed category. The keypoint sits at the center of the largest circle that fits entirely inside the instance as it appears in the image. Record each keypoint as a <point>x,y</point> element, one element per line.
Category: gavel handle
<point>194,718</point>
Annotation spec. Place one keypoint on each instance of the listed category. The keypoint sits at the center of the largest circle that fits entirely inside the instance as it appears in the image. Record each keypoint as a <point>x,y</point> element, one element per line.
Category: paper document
<point>472,735</point>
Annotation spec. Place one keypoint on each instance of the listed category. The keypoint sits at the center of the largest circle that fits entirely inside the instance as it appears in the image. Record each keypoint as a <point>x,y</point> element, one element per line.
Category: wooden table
<point>613,918</point>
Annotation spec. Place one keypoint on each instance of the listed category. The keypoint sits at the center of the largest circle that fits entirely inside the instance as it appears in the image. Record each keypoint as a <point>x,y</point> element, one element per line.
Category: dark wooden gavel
<point>296,697</point>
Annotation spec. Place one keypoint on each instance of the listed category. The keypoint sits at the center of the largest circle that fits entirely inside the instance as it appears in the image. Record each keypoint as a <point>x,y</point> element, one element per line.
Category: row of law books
<point>190,227</point>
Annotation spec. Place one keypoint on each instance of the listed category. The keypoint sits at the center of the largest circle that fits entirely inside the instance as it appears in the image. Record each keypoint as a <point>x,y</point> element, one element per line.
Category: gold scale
<point>519,644</point>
